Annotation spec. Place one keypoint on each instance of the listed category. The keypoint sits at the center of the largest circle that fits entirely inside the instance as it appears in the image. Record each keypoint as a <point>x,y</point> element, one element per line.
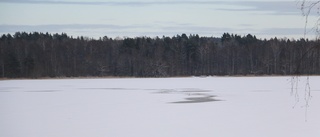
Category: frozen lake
<point>159,107</point>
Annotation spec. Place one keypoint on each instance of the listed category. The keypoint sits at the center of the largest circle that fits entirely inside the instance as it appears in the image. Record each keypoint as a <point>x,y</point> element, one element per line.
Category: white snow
<point>159,107</point>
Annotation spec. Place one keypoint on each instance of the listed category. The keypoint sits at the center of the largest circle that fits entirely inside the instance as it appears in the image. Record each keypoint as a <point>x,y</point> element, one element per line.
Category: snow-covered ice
<point>159,107</point>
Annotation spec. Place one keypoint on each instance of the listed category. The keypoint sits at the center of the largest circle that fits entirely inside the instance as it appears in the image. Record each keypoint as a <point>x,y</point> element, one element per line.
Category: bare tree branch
<point>306,8</point>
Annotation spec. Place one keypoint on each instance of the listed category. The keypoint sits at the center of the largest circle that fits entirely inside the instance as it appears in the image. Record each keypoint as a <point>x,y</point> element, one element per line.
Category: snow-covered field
<point>159,107</point>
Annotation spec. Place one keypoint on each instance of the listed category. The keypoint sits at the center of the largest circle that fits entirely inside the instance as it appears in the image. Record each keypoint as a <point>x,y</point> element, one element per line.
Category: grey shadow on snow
<point>198,99</point>
<point>8,89</point>
<point>184,91</point>
<point>198,95</point>
<point>43,91</point>
<point>116,89</point>
<point>261,90</point>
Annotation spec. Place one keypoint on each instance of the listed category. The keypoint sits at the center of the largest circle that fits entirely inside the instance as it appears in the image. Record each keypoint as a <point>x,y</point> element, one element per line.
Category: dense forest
<point>36,55</point>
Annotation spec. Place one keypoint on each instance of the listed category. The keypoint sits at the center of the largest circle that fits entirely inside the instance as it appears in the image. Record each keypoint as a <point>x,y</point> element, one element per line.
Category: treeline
<point>34,55</point>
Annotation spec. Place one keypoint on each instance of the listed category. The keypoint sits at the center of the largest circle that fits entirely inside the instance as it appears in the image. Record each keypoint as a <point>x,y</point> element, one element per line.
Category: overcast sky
<point>112,18</point>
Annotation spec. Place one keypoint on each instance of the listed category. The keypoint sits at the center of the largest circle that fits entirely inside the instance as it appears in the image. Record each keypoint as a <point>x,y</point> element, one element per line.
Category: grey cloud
<point>273,7</point>
<point>295,33</point>
<point>270,7</point>
<point>99,30</point>
<point>285,31</point>
<point>90,30</point>
<point>43,28</point>
<point>69,2</point>
<point>246,25</point>
<point>258,4</point>
<point>196,29</point>
<point>125,3</point>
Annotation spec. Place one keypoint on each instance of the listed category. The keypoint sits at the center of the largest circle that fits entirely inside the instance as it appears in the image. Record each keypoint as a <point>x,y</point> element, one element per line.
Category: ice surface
<point>159,107</point>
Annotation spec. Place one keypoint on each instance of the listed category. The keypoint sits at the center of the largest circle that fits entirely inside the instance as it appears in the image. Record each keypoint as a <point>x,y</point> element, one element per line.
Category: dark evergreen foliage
<point>34,55</point>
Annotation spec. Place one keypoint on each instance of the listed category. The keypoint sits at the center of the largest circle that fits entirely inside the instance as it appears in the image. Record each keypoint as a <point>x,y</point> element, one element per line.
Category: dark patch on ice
<point>198,99</point>
<point>43,91</point>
